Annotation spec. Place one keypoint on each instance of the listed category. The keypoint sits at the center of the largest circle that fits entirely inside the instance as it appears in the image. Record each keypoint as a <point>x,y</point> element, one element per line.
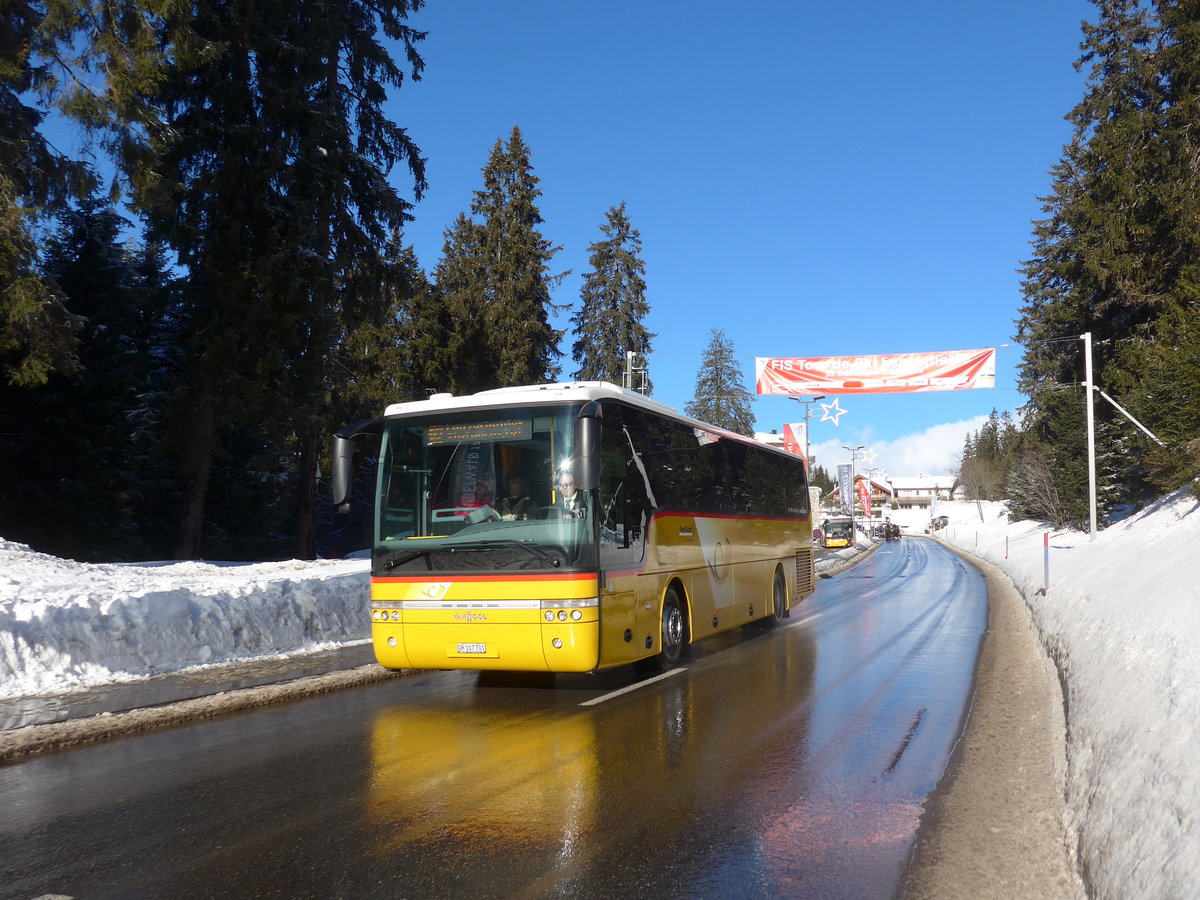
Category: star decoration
<point>869,458</point>
<point>829,414</point>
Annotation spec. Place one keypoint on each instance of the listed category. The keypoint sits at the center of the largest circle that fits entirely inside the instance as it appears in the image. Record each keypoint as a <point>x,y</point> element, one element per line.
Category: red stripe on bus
<point>488,579</point>
<point>694,515</point>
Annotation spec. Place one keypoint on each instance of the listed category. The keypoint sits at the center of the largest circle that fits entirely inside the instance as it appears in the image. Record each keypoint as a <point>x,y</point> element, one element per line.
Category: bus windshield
<point>480,490</point>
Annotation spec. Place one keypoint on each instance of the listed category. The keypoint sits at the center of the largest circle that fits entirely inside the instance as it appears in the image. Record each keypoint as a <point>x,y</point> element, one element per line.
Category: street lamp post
<point>808,402</point>
<point>853,458</point>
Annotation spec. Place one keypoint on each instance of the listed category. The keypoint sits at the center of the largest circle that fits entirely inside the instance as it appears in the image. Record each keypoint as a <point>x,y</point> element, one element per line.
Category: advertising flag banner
<point>844,486</point>
<point>794,438</point>
<point>864,497</point>
<point>949,370</point>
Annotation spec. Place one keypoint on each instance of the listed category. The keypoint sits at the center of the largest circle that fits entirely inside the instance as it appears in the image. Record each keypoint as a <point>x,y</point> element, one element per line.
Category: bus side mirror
<point>343,467</point>
<point>344,443</point>
<point>588,425</point>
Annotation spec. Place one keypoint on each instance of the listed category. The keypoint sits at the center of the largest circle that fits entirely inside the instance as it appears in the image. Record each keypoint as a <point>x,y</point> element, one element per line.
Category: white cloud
<point>934,451</point>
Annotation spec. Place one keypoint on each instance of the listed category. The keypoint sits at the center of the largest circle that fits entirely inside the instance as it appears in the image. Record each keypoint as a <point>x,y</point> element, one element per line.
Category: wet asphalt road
<point>787,762</point>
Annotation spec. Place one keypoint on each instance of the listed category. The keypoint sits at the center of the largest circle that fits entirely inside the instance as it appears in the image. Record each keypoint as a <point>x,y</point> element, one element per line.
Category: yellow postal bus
<point>837,533</point>
<point>640,531</point>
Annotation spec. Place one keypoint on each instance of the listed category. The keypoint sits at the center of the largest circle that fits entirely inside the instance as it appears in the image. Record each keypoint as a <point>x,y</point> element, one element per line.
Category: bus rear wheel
<point>779,610</point>
<point>674,630</point>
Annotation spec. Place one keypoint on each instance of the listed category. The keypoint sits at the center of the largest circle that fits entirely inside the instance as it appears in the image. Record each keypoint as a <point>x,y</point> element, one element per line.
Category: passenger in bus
<point>569,498</point>
<point>518,505</point>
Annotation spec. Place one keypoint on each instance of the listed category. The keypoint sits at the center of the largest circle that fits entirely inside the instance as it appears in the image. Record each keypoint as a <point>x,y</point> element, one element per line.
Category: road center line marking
<point>632,687</point>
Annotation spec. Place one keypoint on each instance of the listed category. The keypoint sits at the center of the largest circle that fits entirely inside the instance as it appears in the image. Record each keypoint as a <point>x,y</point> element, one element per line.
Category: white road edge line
<point>632,687</point>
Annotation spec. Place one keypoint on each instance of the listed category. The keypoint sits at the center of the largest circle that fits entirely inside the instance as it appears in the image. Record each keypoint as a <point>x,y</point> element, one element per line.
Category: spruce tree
<point>461,283</point>
<point>516,269</point>
<point>398,353</point>
<point>720,398</point>
<point>1098,255</point>
<point>37,335</point>
<point>84,500</point>
<point>1154,371</point>
<point>260,155</point>
<point>820,477</point>
<point>613,305</point>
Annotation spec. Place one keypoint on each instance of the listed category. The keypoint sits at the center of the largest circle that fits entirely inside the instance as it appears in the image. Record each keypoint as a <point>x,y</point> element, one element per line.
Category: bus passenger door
<point>621,518</point>
<point>618,613</point>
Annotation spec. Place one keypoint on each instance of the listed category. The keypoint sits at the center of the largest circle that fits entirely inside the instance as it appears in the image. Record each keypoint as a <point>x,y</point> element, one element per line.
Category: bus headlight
<point>576,615</point>
<point>557,643</point>
<point>562,615</point>
<point>549,615</point>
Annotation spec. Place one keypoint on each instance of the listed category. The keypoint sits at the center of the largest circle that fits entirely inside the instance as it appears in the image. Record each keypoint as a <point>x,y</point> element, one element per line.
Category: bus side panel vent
<point>804,573</point>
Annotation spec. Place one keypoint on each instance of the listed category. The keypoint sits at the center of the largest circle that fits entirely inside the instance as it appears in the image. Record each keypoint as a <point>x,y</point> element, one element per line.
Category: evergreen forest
<point>1116,257</point>
<point>183,327</point>
<point>177,345</point>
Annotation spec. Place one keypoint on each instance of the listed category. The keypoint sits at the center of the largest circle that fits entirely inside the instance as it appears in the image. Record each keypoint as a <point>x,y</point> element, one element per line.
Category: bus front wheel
<point>674,630</point>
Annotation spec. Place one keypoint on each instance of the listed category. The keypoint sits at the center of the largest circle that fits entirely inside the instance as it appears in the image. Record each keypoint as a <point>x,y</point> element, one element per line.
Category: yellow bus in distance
<point>837,533</point>
<point>570,528</point>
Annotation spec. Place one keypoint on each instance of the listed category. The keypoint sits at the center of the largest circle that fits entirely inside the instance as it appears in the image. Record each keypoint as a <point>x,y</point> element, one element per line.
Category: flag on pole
<point>795,439</point>
<point>845,488</point>
<point>864,497</point>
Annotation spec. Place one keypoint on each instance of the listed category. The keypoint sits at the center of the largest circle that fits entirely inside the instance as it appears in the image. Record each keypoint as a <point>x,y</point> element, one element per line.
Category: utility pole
<point>1091,431</point>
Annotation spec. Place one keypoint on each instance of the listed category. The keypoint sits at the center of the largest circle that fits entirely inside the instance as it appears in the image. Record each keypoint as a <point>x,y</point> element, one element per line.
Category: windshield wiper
<point>477,546</point>
<point>401,558</point>
<point>474,547</point>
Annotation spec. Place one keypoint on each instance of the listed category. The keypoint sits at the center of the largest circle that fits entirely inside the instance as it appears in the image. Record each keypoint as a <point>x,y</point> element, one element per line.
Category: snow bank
<point>1121,619</point>
<point>66,625</point>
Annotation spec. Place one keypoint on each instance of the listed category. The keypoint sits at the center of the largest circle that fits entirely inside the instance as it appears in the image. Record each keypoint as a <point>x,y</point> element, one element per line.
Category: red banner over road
<point>950,370</point>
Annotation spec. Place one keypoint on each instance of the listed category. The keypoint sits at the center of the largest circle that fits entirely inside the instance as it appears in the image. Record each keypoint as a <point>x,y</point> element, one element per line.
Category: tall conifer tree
<point>461,283</point>
<point>399,354</point>
<point>86,499</point>
<point>37,336</point>
<point>264,166</point>
<point>1098,263</point>
<point>513,278</point>
<point>720,398</point>
<point>613,305</point>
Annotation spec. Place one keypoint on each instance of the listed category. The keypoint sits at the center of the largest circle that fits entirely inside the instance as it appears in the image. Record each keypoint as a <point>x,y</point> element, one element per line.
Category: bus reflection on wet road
<point>782,763</point>
<point>786,762</point>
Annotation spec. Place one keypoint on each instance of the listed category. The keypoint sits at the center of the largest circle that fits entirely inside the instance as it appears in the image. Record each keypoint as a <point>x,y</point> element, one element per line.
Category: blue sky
<point>815,179</point>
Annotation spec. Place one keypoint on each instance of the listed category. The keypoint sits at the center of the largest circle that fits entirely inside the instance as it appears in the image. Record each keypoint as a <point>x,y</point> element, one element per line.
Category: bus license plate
<point>472,648</point>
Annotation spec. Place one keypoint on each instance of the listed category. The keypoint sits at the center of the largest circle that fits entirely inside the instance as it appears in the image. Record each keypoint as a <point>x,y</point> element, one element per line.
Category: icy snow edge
<point>66,625</point>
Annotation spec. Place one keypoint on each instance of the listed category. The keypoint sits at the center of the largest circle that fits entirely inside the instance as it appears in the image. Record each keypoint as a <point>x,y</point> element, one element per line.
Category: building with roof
<point>921,492</point>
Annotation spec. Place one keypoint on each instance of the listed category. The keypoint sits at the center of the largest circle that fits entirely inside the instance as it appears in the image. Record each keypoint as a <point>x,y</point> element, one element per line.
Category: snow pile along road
<point>1120,620</point>
<point>66,625</point>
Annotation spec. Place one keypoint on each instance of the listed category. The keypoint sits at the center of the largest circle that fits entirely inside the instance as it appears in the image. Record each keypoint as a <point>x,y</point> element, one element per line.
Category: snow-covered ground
<point>1121,619</point>
<point>67,625</point>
